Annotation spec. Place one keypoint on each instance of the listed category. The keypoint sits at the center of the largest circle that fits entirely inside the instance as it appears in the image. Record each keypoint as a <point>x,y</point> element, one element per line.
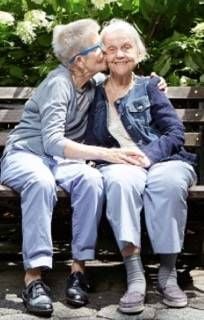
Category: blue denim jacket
<point>149,118</point>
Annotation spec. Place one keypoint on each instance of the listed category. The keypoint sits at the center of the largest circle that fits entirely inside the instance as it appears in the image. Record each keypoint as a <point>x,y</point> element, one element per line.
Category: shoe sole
<point>131,310</point>
<point>76,303</point>
<point>171,303</point>
<point>45,313</point>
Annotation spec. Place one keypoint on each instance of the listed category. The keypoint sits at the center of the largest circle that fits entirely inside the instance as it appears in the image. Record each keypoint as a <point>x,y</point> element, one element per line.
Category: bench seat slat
<point>6,192</point>
<point>196,192</point>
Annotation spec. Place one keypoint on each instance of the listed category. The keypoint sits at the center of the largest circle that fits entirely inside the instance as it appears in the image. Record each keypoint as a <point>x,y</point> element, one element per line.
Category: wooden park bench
<point>189,103</point>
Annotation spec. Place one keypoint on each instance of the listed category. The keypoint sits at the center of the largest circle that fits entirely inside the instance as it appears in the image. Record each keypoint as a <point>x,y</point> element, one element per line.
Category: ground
<point>108,284</point>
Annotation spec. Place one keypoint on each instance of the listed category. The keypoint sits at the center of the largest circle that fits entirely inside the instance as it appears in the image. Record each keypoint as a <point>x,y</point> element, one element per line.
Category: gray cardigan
<point>55,111</point>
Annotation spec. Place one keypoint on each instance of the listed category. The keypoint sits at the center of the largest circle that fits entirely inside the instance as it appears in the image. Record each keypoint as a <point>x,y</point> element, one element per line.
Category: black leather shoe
<point>36,298</point>
<point>76,290</point>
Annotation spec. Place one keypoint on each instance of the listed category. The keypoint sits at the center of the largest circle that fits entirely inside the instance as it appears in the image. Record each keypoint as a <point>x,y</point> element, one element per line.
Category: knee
<point>121,182</point>
<point>41,184</point>
<point>175,187</point>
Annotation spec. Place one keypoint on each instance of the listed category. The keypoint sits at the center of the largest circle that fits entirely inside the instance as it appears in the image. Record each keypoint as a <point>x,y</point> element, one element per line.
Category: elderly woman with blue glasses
<point>129,111</point>
<point>44,150</point>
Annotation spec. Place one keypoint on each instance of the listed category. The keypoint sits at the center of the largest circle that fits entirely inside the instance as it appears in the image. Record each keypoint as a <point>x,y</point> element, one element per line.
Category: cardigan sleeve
<point>53,112</point>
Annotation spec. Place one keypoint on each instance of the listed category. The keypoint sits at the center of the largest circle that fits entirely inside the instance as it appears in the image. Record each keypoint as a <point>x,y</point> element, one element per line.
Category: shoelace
<point>38,288</point>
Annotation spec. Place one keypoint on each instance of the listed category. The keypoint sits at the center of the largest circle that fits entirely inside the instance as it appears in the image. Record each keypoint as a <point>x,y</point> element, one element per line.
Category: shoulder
<point>153,82</point>
<point>57,85</point>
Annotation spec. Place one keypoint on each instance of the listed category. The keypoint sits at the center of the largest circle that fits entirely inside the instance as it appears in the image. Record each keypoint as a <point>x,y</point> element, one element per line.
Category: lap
<point>66,171</point>
<point>171,172</point>
<point>123,171</point>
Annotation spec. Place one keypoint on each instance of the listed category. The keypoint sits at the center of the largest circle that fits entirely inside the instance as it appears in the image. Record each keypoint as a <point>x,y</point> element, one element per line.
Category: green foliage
<point>172,30</point>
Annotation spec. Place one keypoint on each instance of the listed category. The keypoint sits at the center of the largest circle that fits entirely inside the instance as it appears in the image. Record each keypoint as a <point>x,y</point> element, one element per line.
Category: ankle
<point>32,275</point>
<point>130,250</point>
<point>78,266</point>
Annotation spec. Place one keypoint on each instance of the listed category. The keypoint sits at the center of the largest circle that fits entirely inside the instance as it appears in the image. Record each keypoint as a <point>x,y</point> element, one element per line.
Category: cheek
<point>99,57</point>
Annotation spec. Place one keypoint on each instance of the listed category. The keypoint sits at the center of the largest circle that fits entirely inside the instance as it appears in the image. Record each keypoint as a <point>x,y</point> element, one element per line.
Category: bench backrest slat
<point>19,93</point>
<point>13,114</point>
<point>192,139</point>
<point>15,93</point>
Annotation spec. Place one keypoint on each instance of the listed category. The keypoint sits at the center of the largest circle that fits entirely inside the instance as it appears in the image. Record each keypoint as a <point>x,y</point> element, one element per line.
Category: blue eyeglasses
<point>86,51</point>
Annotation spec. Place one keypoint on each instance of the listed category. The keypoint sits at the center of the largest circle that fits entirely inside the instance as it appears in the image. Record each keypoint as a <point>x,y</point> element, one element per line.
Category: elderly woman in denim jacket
<point>129,111</point>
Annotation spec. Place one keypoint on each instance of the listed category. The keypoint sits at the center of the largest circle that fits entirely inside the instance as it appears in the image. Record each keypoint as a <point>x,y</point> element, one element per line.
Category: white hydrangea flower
<point>6,18</point>
<point>199,28</point>
<point>100,4</point>
<point>183,81</point>
<point>37,18</point>
<point>37,1</point>
<point>25,31</point>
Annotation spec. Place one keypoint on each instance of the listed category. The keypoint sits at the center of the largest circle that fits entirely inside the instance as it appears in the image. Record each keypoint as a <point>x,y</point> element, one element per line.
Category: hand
<point>162,85</point>
<point>142,159</point>
<point>124,155</point>
<point>132,156</point>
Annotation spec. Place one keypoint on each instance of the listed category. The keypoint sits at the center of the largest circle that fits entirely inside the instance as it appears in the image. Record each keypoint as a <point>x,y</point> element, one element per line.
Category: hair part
<point>69,39</point>
<point>117,25</point>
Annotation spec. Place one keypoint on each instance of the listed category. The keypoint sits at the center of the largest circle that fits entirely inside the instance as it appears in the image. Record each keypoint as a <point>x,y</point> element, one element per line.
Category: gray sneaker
<point>173,296</point>
<point>131,302</point>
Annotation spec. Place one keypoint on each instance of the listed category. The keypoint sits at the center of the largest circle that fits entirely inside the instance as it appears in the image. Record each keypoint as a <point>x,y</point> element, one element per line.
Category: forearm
<point>75,150</point>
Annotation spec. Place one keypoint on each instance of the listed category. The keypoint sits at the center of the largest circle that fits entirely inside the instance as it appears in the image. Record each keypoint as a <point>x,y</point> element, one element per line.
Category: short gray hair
<point>70,39</point>
<point>119,24</point>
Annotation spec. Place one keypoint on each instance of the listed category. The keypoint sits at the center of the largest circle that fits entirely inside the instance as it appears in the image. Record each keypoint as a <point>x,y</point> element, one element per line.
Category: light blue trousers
<point>161,191</point>
<point>35,178</point>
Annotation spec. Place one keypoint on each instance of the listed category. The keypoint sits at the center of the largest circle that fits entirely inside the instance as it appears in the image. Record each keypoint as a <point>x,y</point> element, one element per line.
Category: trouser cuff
<point>88,254</point>
<point>43,262</point>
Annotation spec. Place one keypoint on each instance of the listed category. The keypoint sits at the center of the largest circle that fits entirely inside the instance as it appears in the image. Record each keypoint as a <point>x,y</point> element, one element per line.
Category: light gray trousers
<point>161,191</point>
<point>35,178</point>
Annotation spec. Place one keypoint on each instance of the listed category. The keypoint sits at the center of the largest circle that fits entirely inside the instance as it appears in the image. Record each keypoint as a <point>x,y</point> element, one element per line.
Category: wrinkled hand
<point>142,160</point>
<point>162,85</point>
<point>132,156</point>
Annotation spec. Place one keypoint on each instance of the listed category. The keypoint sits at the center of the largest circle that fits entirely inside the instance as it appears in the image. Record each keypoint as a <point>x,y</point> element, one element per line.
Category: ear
<point>79,61</point>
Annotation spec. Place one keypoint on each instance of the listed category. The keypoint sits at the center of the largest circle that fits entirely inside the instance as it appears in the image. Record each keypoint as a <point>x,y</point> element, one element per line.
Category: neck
<point>80,77</point>
<point>117,87</point>
<point>121,81</point>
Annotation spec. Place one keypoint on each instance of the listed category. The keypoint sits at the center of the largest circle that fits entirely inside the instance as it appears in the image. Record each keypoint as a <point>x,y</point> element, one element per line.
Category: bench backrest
<point>188,101</point>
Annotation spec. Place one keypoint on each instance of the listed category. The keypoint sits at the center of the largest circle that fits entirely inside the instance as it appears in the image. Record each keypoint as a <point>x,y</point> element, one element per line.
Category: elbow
<point>55,148</point>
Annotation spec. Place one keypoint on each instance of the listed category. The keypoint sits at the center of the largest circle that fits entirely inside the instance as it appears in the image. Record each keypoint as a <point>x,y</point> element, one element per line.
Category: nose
<point>120,53</point>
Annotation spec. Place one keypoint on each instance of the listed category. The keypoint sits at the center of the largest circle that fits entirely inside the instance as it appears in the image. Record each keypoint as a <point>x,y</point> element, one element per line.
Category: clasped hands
<point>132,155</point>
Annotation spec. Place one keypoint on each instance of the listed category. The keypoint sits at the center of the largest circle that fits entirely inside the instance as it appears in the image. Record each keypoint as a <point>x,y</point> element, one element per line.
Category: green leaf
<point>44,40</point>
<point>15,71</point>
<point>163,65</point>
<point>189,62</point>
<point>202,78</point>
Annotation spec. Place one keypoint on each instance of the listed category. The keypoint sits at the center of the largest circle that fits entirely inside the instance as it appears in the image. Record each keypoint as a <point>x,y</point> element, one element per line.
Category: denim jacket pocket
<point>139,110</point>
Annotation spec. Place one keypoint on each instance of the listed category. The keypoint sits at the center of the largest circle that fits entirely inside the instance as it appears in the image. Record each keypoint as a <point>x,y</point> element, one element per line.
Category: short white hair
<point>70,39</point>
<point>117,25</point>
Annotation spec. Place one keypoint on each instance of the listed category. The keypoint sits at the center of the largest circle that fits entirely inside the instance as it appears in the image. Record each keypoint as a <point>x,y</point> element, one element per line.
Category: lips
<point>120,62</point>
